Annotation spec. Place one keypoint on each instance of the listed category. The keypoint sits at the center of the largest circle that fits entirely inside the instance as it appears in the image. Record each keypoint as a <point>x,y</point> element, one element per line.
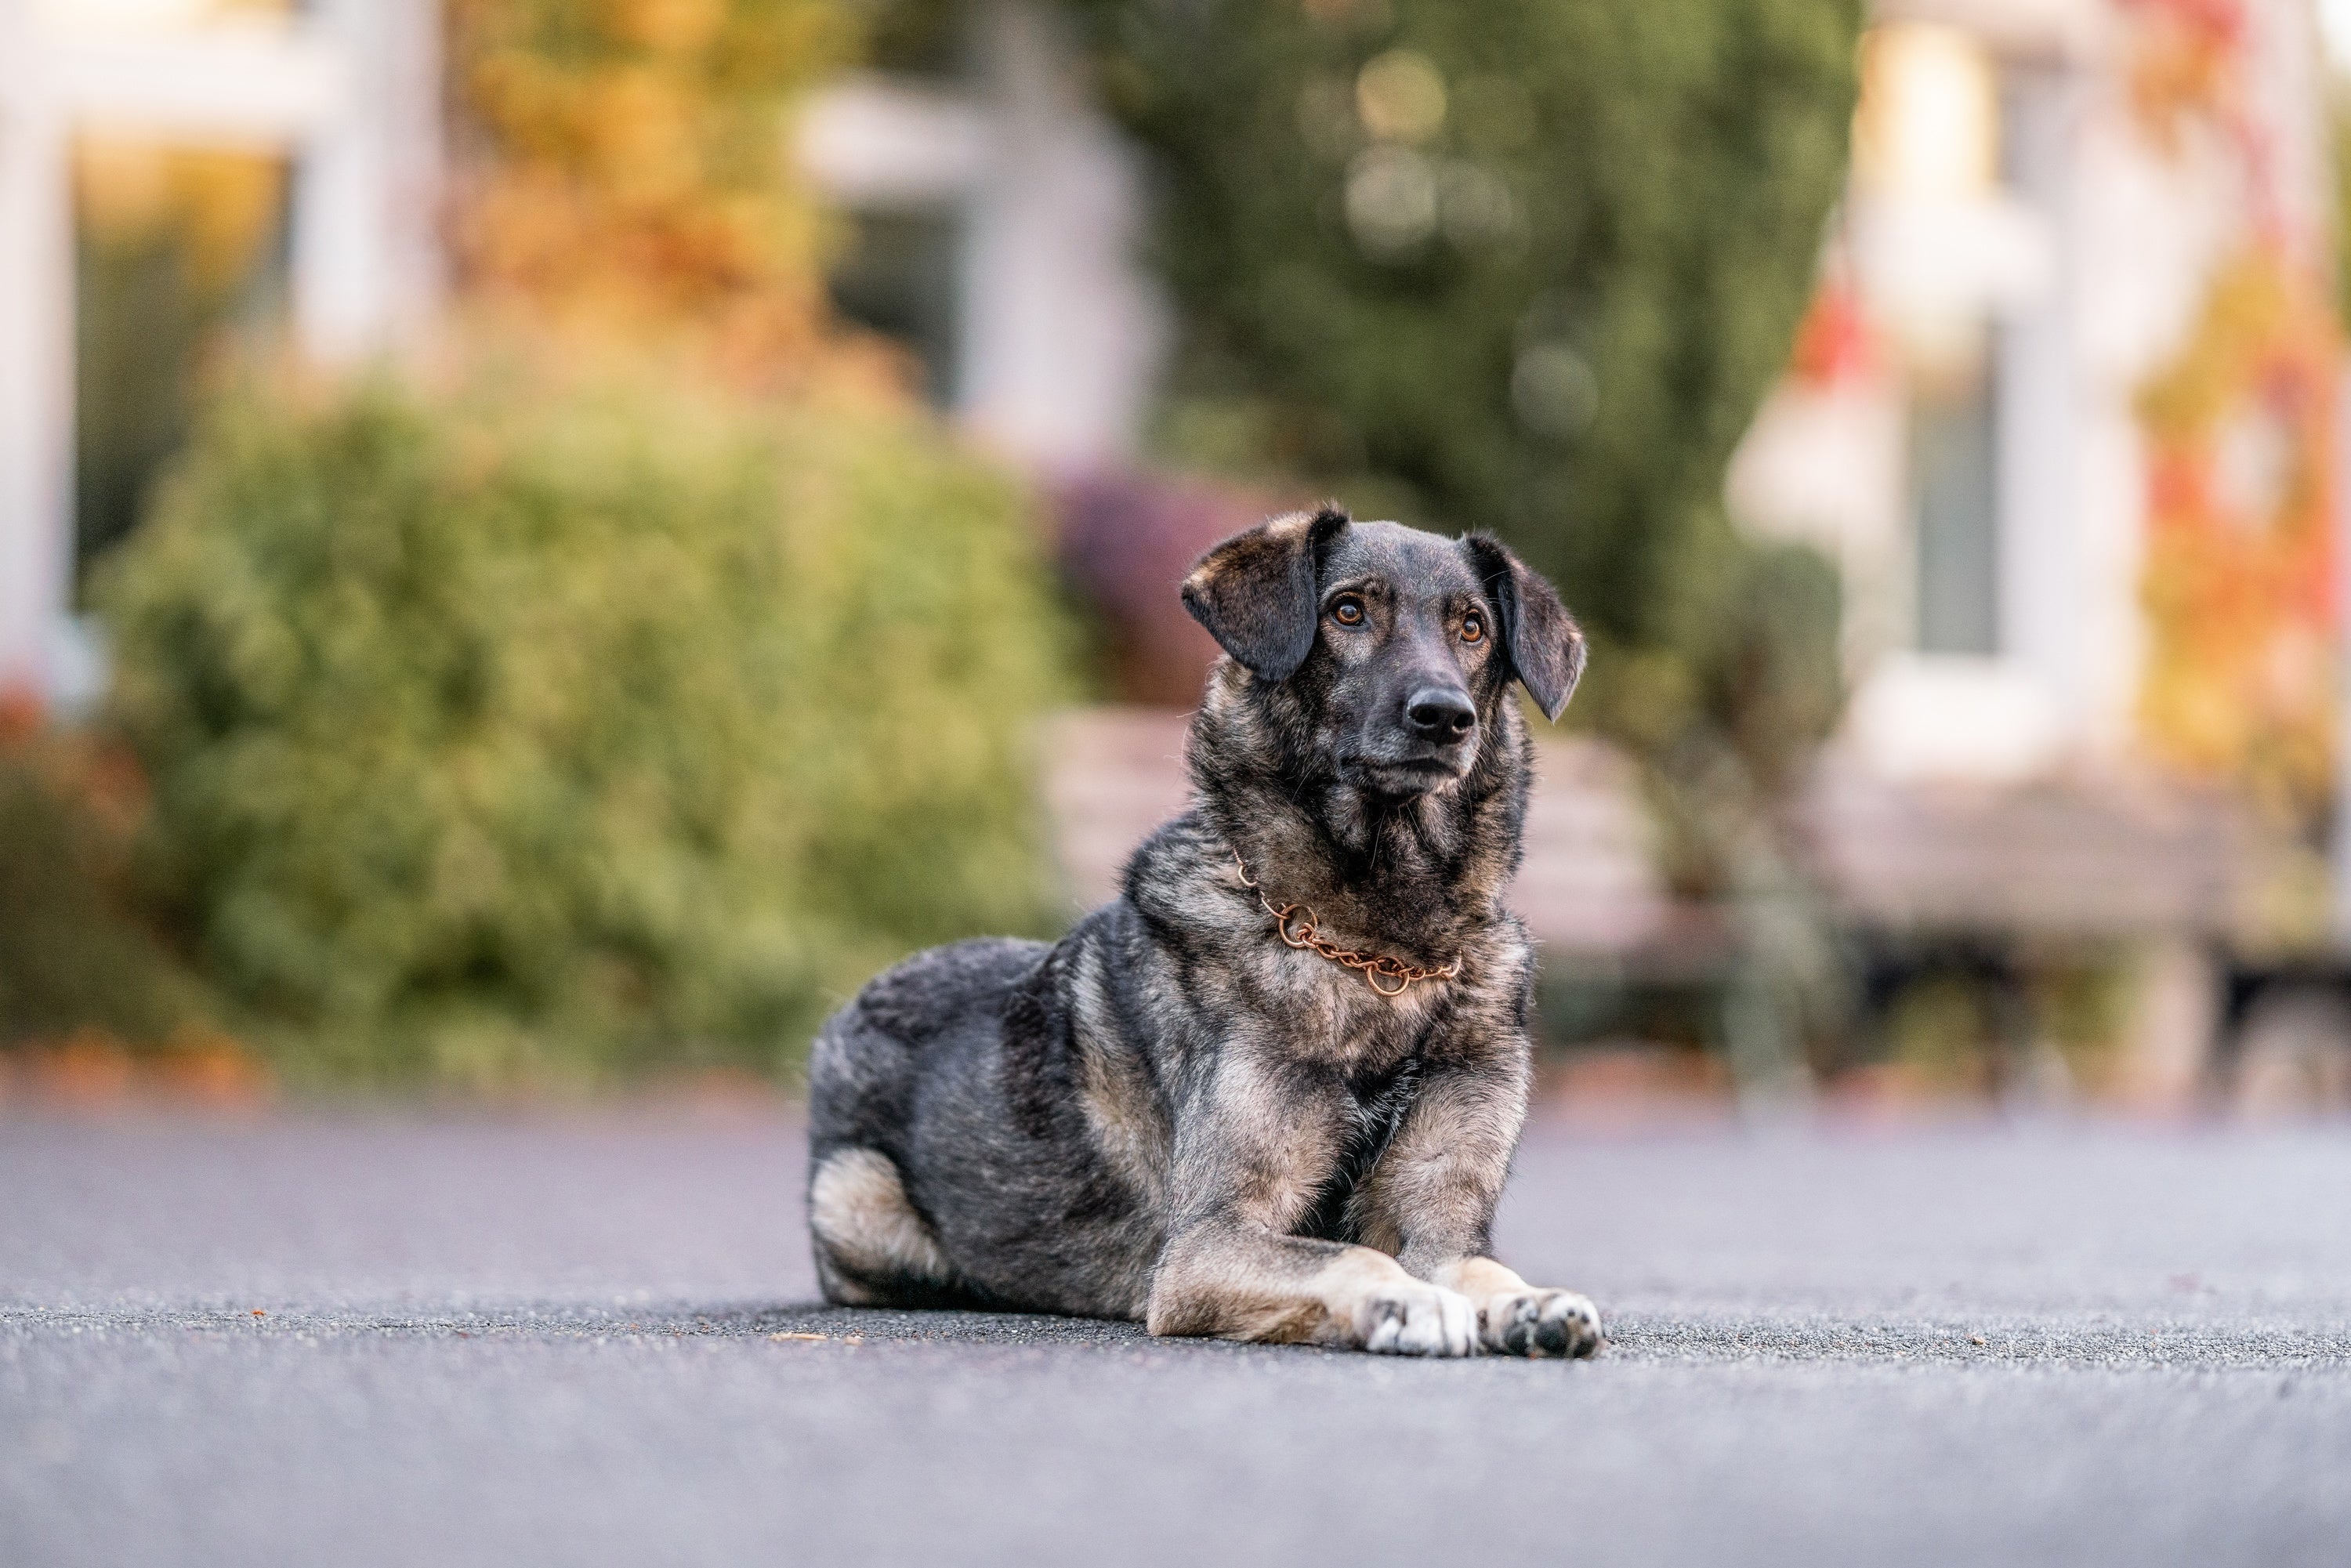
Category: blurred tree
<point>1522,265</point>
<point>622,171</point>
<point>512,735</point>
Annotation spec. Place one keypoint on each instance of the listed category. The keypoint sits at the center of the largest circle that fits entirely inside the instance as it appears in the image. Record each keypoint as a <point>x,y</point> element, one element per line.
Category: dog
<point>1271,1092</point>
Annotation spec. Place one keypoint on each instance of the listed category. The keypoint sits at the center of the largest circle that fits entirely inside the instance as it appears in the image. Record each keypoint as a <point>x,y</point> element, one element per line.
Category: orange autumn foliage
<point>624,177</point>
<point>2183,63</point>
<point>2240,572</point>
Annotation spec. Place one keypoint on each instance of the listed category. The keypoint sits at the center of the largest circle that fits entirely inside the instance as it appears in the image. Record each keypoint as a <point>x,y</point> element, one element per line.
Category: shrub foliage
<point>520,734</point>
<point>75,955</point>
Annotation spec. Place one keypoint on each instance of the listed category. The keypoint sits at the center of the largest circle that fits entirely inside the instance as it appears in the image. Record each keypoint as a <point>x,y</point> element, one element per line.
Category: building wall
<point>2025,228</point>
<point>1054,329</point>
<point>349,89</point>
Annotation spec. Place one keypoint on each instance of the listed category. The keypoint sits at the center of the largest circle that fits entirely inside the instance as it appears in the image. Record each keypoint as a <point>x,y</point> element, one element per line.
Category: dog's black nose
<point>1439,715</point>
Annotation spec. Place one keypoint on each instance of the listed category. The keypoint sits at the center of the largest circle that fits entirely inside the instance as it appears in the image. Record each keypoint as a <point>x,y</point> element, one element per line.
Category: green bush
<point>75,955</point>
<point>1521,265</point>
<point>520,735</point>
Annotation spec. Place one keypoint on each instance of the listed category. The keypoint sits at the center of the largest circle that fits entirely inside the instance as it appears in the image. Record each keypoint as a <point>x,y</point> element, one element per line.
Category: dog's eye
<point>1473,627</point>
<point>1348,610</point>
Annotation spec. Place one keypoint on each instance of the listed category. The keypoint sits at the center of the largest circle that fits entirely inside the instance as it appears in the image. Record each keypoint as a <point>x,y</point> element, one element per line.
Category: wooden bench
<point>1916,874</point>
<point>2109,858</point>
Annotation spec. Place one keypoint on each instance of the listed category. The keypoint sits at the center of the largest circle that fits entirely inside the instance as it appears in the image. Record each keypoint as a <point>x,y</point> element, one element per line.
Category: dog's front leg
<point>1248,1165</point>
<point>1233,1279</point>
<point>1431,1199</point>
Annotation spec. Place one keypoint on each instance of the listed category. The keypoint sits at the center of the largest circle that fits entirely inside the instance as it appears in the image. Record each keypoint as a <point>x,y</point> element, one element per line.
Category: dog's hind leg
<point>873,1248</point>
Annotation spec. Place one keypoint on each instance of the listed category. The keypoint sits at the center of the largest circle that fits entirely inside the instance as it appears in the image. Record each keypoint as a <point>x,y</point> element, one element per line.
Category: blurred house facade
<point>998,221</point>
<point>346,92</point>
<point>2069,369</point>
<point>2065,415</point>
<point>2049,200</point>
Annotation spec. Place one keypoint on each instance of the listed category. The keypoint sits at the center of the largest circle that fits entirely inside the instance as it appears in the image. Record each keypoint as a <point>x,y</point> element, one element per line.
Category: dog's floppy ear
<point>1254,592</point>
<point>1545,645</point>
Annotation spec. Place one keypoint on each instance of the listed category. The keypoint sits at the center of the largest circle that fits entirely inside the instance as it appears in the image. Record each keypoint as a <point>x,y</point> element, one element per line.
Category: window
<point>897,276</point>
<point>1954,467</point>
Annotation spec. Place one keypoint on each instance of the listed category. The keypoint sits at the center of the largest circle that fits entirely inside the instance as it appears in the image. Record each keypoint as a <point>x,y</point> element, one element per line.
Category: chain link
<point>1297,927</point>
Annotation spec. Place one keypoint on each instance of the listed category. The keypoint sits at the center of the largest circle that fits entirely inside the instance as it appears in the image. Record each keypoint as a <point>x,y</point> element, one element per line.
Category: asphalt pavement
<point>356,1339</point>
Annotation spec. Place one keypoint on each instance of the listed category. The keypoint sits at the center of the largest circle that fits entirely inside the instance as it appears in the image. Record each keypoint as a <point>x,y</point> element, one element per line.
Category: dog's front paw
<point>1540,1322</point>
<point>1408,1317</point>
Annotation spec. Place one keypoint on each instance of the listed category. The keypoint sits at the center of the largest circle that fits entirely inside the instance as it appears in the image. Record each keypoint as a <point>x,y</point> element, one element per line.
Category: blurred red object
<point>21,715</point>
<point>1127,539</point>
<point>1833,342</point>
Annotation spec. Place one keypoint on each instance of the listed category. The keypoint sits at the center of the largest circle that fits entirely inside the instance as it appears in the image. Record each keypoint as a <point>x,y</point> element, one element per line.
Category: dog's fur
<point>1170,1115</point>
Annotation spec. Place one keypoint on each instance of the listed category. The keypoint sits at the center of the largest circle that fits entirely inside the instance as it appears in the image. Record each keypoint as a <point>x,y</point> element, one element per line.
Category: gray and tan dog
<point>1272,1091</point>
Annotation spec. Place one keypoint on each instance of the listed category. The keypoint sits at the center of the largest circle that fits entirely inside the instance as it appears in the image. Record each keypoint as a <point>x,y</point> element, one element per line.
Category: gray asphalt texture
<point>358,1340</point>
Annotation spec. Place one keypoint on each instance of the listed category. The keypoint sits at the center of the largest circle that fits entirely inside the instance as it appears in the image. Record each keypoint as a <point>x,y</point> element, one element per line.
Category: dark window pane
<point>1952,468</point>
<point>897,276</point>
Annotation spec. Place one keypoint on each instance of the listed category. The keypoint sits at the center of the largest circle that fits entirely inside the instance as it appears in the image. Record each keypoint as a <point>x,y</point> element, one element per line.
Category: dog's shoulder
<point>1182,879</point>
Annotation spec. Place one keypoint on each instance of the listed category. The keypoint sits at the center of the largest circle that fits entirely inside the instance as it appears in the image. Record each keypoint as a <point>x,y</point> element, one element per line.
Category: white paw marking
<point>1414,1319</point>
<point>1541,1323</point>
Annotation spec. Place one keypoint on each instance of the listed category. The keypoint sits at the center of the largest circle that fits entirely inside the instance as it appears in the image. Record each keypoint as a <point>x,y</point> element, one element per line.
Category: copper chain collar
<point>1297,925</point>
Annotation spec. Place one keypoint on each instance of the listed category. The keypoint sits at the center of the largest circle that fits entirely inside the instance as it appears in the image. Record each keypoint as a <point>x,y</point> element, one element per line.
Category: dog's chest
<point>1332,1014</point>
<point>1373,1106</point>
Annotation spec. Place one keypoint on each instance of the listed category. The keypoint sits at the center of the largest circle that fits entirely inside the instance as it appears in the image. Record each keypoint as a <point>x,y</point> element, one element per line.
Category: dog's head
<point>1400,644</point>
